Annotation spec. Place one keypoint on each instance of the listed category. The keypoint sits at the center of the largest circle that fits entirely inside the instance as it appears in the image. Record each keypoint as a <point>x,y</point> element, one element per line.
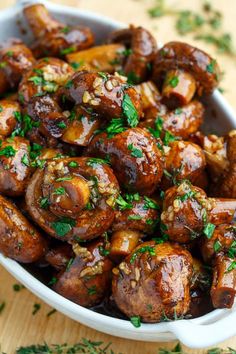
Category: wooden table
<point>18,326</point>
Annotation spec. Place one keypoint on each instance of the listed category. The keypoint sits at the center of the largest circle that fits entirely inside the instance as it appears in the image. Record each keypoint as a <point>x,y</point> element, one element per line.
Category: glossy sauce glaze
<point>111,194</point>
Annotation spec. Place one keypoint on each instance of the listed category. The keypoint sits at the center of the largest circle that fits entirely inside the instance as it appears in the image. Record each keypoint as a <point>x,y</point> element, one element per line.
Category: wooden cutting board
<point>18,327</point>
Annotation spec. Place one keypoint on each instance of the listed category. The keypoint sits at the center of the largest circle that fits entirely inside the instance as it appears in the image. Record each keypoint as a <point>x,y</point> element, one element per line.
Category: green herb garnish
<point>130,111</point>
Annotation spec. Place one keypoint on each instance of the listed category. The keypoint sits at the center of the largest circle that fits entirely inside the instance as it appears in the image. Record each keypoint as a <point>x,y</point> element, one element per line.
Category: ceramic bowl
<point>204,331</point>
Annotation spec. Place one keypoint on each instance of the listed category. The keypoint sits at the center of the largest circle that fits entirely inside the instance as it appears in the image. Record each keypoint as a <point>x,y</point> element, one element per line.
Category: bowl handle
<point>199,336</point>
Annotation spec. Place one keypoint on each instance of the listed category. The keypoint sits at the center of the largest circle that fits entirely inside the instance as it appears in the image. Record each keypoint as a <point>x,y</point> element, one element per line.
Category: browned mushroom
<point>10,115</point>
<point>55,38</point>
<point>187,212</point>
<point>86,279</point>
<point>201,70</point>
<point>141,49</point>
<point>223,289</point>
<point>183,160</point>
<point>134,157</point>
<point>15,60</point>
<point>181,122</point>
<point>44,78</point>
<point>73,198</point>
<point>107,95</point>
<point>153,282</point>
<point>14,166</point>
<point>18,238</point>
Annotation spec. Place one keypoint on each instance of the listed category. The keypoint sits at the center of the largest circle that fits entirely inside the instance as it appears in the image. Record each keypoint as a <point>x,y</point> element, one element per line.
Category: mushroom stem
<point>40,20</point>
<point>223,210</point>
<point>223,289</point>
<point>178,88</point>
<point>123,243</point>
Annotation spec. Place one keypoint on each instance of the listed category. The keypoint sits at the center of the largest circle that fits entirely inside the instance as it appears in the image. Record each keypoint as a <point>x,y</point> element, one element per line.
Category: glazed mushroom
<point>139,214</point>
<point>82,125</point>
<point>54,38</point>
<point>227,185</point>
<point>48,121</point>
<point>19,239</point>
<point>223,240</point>
<point>107,95</point>
<point>73,198</point>
<point>15,60</point>
<point>44,78</point>
<point>150,95</point>
<point>141,49</point>
<point>181,122</point>
<point>153,282</point>
<point>134,157</point>
<point>59,257</point>
<point>200,290</point>
<point>103,58</point>
<point>223,288</point>
<point>184,68</point>
<point>188,213</point>
<point>15,167</point>
<point>183,160</point>
<point>122,243</point>
<point>10,115</point>
<point>87,278</point>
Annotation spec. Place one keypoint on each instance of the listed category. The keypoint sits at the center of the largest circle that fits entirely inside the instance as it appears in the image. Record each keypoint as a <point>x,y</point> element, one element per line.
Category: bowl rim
<point>204,328</point>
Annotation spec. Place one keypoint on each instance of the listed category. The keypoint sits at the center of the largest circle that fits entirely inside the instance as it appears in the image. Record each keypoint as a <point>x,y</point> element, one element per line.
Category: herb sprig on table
<point>205,25</point>
<point>90,347</point>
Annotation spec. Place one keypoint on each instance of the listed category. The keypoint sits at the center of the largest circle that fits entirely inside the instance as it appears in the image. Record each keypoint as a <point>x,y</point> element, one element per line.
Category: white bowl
<point>204,331</point>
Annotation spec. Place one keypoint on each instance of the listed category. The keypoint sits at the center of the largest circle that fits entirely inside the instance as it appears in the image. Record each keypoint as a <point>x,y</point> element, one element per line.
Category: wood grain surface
<point>18,327</point>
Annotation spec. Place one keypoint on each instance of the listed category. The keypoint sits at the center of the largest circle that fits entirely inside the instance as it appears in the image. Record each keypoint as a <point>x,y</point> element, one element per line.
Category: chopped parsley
<point>59,191</point>
<point>18,287</point>
<point>73,164</point>
<point>102,74</point>
<point>132,197</point>
<point>211,67</point>
<point>208,230</point>
<point>122,203</point>
<point>115,126</point>
<point>92,290</point>
<point>130,111</point>
<point>150,204</point>
<point>136,321</point>
<point>93,161</point>
<point>173,82</point>
<point>50,313</point>
<point>186,196</point>
<point>103,251</point>
<point>2,306</point>
<point>76,65</point>
<point>8,151</point>
<point>52,281</point>
<point>36,308</point>
<point>232,266</point>
<point>168,138</point>
<point>69,264</point>
<point>134,217</point>
<point>63,226</point>
<point>149,249</point>
<point>44,203</point>
<point>69,84</point>
<point>67,50</point>
<point>156,131</point>
<point>25,160</point>
<point>61,125</point>
<point>61,179</point>
<point>217,246</point>
<point>18,116</point>
<point>135,152</point>
<point>1,109</point>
